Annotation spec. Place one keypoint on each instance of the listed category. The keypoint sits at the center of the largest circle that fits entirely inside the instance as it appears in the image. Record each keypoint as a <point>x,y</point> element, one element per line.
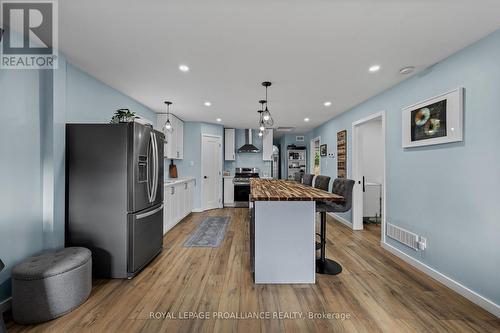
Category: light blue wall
<point>448,193</point>
<point>190,166</point>
<point>35,106</point>
<point>248,160</point>
<point>21,231</point>
<point>91,101</point>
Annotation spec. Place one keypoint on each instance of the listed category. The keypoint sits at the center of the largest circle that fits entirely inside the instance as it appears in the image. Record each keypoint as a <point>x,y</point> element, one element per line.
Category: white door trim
<point>311,156</point>
<point>357,207</point>
<point>203,208</point>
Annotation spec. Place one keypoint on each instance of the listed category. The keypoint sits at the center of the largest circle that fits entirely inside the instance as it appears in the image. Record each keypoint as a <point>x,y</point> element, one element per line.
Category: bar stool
<point>341,187</point>
<point>307,179</point>
<point>322,183</point>
<point>298,176</point>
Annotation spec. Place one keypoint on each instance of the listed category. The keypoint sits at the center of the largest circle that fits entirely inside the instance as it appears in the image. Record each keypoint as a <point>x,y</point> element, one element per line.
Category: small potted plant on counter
<point>123,116</point>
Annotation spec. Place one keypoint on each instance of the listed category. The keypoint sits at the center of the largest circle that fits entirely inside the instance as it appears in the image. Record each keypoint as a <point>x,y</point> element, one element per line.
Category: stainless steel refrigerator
<point>114,195</point>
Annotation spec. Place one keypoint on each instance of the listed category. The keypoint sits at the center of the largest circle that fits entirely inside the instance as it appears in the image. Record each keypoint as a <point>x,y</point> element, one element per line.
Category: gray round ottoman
<point>50,284</point>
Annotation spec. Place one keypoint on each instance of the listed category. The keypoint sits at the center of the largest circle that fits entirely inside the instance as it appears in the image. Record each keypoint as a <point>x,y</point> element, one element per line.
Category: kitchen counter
<point>175,181</point>
<point>288,190</point>
<point>282,230</point>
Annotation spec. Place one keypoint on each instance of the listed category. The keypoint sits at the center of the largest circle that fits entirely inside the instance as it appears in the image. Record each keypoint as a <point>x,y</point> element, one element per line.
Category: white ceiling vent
<point>284,129</point>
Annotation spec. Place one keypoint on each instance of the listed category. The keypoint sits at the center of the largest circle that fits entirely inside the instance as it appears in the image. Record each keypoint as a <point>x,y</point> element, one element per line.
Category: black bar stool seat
<point>307,179</point>
<point>341,187</point>
<point>298,176</point>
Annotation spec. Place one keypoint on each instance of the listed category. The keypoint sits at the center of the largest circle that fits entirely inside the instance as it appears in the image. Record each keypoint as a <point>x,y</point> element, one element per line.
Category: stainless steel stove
<point>241,182</point>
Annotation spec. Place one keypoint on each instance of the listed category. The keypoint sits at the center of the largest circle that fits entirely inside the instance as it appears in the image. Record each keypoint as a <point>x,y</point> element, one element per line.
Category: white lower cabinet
<point>178,203</point>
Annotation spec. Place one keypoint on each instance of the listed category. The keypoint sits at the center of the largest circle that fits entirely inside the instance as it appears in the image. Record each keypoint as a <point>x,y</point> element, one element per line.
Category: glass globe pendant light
<point>167,127</point>
<point>262,126</point>
<point>266,116</point>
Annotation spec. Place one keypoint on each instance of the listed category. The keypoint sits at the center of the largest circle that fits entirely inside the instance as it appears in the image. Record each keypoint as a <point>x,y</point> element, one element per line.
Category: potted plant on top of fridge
<point>123,116</point>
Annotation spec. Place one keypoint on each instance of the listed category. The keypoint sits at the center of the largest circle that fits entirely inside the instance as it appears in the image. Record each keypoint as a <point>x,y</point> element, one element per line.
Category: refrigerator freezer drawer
<point>145,237</point>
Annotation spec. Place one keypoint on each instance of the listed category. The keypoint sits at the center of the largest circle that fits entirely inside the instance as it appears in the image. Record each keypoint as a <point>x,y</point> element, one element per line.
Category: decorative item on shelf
<point>266,115</point>
<point>323,150</point>
<point>342,154</point>
<point>123,116</point>
<point>167,127</point>
<point>434,121</point>
<point>172,170</point>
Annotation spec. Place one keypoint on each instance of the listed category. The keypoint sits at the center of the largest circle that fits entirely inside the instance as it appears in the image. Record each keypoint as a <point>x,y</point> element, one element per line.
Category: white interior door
<point>368,163</point>
<point>211,172</point>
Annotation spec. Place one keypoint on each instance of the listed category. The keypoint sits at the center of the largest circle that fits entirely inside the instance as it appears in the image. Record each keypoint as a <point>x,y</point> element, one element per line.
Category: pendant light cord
<point>266,98</point>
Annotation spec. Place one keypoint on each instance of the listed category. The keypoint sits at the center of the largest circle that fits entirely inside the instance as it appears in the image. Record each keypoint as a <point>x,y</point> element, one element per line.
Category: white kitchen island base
<point>285,242</point>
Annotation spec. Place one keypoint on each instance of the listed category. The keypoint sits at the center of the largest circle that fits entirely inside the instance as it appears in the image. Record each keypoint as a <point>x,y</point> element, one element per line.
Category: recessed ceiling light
<point>327,103</point>
<point>406,70</point>
<point>374,68</point>
<point>184,68</point>
<point>306,119</point>
<point>207,103</point>
<point>218,120</point>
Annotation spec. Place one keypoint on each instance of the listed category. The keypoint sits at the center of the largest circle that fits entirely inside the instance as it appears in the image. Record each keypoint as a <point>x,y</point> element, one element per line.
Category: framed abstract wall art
<point>323,150</point>
<point>434,121</point>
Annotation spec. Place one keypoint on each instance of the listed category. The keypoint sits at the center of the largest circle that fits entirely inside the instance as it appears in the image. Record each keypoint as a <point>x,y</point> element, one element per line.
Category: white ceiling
<point>312,50</point>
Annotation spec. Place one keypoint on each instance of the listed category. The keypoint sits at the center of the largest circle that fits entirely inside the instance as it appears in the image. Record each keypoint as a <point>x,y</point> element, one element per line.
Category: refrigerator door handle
<point>156,165</point>
<point>150,174</point>
<point>154,211</point>
<point>153,151</point>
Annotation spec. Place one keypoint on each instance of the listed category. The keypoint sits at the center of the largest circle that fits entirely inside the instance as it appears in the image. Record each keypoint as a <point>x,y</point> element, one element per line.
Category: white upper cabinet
<point>230,144</point>
<point>174,141</point>
<point>267,145</point>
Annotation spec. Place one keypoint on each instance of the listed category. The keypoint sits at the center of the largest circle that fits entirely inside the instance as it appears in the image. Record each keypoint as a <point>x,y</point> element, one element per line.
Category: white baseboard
<point>197,210</point>
<point>5,305</point>
<point>341,219</point>
<point>459,288</point>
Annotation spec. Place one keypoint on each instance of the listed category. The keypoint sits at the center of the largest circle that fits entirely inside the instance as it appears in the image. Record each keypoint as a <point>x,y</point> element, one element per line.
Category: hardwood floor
<point>379,292</point>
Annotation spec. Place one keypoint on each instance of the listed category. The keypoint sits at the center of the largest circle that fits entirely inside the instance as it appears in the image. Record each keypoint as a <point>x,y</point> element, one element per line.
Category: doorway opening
<point>369,174</point>
<point>211,172</point>
<point>315,164</point>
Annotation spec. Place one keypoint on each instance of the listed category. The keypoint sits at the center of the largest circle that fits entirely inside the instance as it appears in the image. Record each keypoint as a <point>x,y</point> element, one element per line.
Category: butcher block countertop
<point>288,190</point>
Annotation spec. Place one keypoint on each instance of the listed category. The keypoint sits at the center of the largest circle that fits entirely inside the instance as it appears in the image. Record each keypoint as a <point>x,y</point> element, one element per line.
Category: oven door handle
<point>241,184</point>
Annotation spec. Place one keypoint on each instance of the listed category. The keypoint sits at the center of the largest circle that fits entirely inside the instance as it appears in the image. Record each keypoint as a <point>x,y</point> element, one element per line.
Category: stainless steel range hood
<point>248,147</point>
